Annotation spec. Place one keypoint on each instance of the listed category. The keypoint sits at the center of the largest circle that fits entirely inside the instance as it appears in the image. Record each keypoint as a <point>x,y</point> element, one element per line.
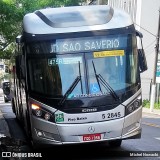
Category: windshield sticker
<point>87,95</point>
<point>71,96</point>
<point>55,61</point>
<point>94,88</point>
<point>59,117</point>
<point>108,53</point>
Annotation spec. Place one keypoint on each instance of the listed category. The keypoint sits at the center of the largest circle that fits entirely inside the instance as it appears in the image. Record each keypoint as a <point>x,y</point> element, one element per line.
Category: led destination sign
<point>89,44</point>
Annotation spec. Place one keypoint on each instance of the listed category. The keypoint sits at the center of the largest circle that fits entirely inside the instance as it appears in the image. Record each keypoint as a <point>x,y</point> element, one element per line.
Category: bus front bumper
<point>44,132</point>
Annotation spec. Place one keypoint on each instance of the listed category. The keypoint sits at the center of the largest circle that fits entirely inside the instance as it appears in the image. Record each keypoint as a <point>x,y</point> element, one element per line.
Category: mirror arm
<point>139,34</point>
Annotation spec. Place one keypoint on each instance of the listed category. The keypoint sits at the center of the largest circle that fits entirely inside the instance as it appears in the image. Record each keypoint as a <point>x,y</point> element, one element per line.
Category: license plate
<point>91,137</point>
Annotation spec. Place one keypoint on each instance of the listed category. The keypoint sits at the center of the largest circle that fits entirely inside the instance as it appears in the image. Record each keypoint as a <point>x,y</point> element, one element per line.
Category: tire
<point>115,143</point>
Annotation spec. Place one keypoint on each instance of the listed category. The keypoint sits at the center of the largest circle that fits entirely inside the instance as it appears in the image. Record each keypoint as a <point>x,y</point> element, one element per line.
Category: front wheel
<point>115,143</point>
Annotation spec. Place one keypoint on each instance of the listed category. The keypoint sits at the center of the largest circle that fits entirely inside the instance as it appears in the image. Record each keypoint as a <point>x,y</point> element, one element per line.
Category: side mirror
<point>141,55</point>
<point>142,60</point>
<point>19,39</point>
<point>139,34</point>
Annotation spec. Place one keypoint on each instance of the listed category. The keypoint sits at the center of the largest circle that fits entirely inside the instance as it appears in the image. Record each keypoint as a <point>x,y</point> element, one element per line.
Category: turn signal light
<point>35,107</point>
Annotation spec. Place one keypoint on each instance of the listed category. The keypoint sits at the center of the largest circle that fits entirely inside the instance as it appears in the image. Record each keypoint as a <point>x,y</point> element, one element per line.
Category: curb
<point>147,110</point>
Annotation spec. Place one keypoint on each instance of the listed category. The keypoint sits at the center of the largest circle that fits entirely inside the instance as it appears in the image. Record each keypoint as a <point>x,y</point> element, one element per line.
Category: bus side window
<point>18,58</point>
<point>20,70</point>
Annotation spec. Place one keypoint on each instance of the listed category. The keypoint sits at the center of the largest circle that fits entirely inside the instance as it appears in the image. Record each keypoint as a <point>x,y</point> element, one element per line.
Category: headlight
<point>134,105</point>
<point>130,108</point>
<point>40,112</point>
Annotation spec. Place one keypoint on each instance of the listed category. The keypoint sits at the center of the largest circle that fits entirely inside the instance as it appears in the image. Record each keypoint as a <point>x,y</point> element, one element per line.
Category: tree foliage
<point>11,16</point>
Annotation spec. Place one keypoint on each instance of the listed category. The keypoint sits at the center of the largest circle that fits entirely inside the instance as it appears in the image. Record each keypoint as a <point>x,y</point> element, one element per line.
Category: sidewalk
<point>4,130</point>
<point>147,110</point>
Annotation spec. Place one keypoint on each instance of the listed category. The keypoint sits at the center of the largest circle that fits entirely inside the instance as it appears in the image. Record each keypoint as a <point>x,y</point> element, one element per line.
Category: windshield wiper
<point>105,84</point>
<point>71,88</point>
<point>97,76</point>
<point>80,76</point>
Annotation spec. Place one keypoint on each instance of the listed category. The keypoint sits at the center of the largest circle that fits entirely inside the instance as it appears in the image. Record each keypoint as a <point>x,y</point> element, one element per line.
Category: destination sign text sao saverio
<point>88,44</point>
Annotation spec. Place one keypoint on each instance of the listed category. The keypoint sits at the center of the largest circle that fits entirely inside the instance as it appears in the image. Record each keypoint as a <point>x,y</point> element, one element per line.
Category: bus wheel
<point>115,143</point>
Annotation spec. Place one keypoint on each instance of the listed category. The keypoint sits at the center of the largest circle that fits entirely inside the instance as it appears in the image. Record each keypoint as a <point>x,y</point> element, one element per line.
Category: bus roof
<point>75,19</point>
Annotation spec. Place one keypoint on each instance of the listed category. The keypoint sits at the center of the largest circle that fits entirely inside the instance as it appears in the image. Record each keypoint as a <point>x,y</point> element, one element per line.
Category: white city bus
<point>77,76</point>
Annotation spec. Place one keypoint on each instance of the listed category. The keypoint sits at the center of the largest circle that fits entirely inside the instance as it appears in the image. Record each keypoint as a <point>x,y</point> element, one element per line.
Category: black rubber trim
<point>45,19</point>
<point>28,37</point>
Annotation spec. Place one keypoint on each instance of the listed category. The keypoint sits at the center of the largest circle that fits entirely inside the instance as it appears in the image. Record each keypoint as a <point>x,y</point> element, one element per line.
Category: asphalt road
<point>150,141</point>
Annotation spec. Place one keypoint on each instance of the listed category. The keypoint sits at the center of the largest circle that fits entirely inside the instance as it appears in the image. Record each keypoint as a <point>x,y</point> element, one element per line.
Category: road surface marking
<point>158,138</point>
<point>151,124</point>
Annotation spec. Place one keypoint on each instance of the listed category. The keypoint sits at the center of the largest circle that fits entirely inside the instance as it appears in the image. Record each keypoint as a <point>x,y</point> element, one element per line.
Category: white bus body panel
<point>132,124</point>
<point>35,25</point>
<point>73,133</point>
<point>112,114</point>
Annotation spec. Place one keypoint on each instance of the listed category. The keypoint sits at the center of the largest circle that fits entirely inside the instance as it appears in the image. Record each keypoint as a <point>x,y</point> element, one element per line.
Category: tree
<point>11,16</point>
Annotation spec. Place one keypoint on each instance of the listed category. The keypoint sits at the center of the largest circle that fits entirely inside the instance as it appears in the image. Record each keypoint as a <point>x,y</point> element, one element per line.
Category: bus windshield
<point>52,70</point>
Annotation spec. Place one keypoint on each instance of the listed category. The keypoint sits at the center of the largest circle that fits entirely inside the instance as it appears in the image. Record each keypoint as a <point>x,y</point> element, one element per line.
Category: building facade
<point>145,15</point>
